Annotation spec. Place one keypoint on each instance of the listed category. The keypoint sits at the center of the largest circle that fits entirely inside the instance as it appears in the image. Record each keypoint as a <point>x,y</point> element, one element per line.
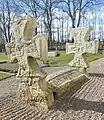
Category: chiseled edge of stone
<point>72,80</point>
<point>53,75</point>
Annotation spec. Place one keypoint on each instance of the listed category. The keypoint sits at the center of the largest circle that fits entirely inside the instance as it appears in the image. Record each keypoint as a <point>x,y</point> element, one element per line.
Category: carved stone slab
<point>90,47</point>
<point>63,80</point>
<point>80,46</point>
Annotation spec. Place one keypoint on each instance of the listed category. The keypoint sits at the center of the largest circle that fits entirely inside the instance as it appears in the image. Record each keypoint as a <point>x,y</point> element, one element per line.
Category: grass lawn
<point>64,59</point>
<point>3,57</point>
<point>4,75</point>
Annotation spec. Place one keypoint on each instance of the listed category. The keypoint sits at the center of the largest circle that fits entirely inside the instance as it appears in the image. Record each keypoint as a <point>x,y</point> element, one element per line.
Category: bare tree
<point>7,15</point>
<point>41,8</point>
<point>29,7</point>
<point>74,9</point>
<point>48,13</point>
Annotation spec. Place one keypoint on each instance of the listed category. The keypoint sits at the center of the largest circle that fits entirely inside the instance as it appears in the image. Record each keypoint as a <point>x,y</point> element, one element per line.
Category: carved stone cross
<point>80,46</point>
<point>25,50</point>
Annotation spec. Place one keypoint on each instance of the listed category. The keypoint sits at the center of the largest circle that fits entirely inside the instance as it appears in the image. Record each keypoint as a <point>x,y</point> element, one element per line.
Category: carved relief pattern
<point>81,45</point>
<point>30,81</point>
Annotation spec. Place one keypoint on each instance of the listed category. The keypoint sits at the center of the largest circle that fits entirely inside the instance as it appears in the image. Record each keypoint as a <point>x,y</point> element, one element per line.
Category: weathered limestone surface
<point>42,46</point>
<point>80,46</point>
<point>25,50</point>
<point>22,30</point>
<point>35,86</point>
<point>64,80</point>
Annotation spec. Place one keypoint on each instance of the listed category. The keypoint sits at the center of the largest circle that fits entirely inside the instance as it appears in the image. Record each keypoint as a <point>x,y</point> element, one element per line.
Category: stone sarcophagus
<point>36,86</point>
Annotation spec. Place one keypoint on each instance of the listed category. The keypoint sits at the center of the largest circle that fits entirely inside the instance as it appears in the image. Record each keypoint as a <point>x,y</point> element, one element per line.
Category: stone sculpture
<point>80,46</point>
<point>25,50</point>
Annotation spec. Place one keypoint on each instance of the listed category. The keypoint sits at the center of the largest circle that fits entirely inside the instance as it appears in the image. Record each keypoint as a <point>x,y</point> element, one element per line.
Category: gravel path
<point>8,86</point>
<point>85,104</point>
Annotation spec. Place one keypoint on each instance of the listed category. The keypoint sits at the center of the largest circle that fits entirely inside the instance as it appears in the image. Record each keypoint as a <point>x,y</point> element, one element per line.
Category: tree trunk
<point>73,23</point>
<point>62,39</point>
<point>50,38</point>
<point>58,34</point>
<point>73,26</point>
<point>79,19</point>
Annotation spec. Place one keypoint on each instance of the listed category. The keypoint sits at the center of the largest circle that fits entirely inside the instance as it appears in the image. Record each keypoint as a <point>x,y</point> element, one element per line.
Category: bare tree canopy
<point>7,15</point>
<point>75,9</point>
<point>69,14</point>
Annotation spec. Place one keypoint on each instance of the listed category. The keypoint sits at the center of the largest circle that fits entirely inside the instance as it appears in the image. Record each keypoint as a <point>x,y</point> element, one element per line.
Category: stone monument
<point>25,50</point>
<point>80,46</point>
<point>36,86</point>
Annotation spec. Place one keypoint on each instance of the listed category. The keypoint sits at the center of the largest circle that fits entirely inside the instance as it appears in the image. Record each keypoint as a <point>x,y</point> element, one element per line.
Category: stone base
<point>31,93</point>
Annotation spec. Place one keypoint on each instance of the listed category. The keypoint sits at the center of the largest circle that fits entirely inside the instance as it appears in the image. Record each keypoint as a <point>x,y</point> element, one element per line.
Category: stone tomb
<point>36,85</point>
<point>80,46</point>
